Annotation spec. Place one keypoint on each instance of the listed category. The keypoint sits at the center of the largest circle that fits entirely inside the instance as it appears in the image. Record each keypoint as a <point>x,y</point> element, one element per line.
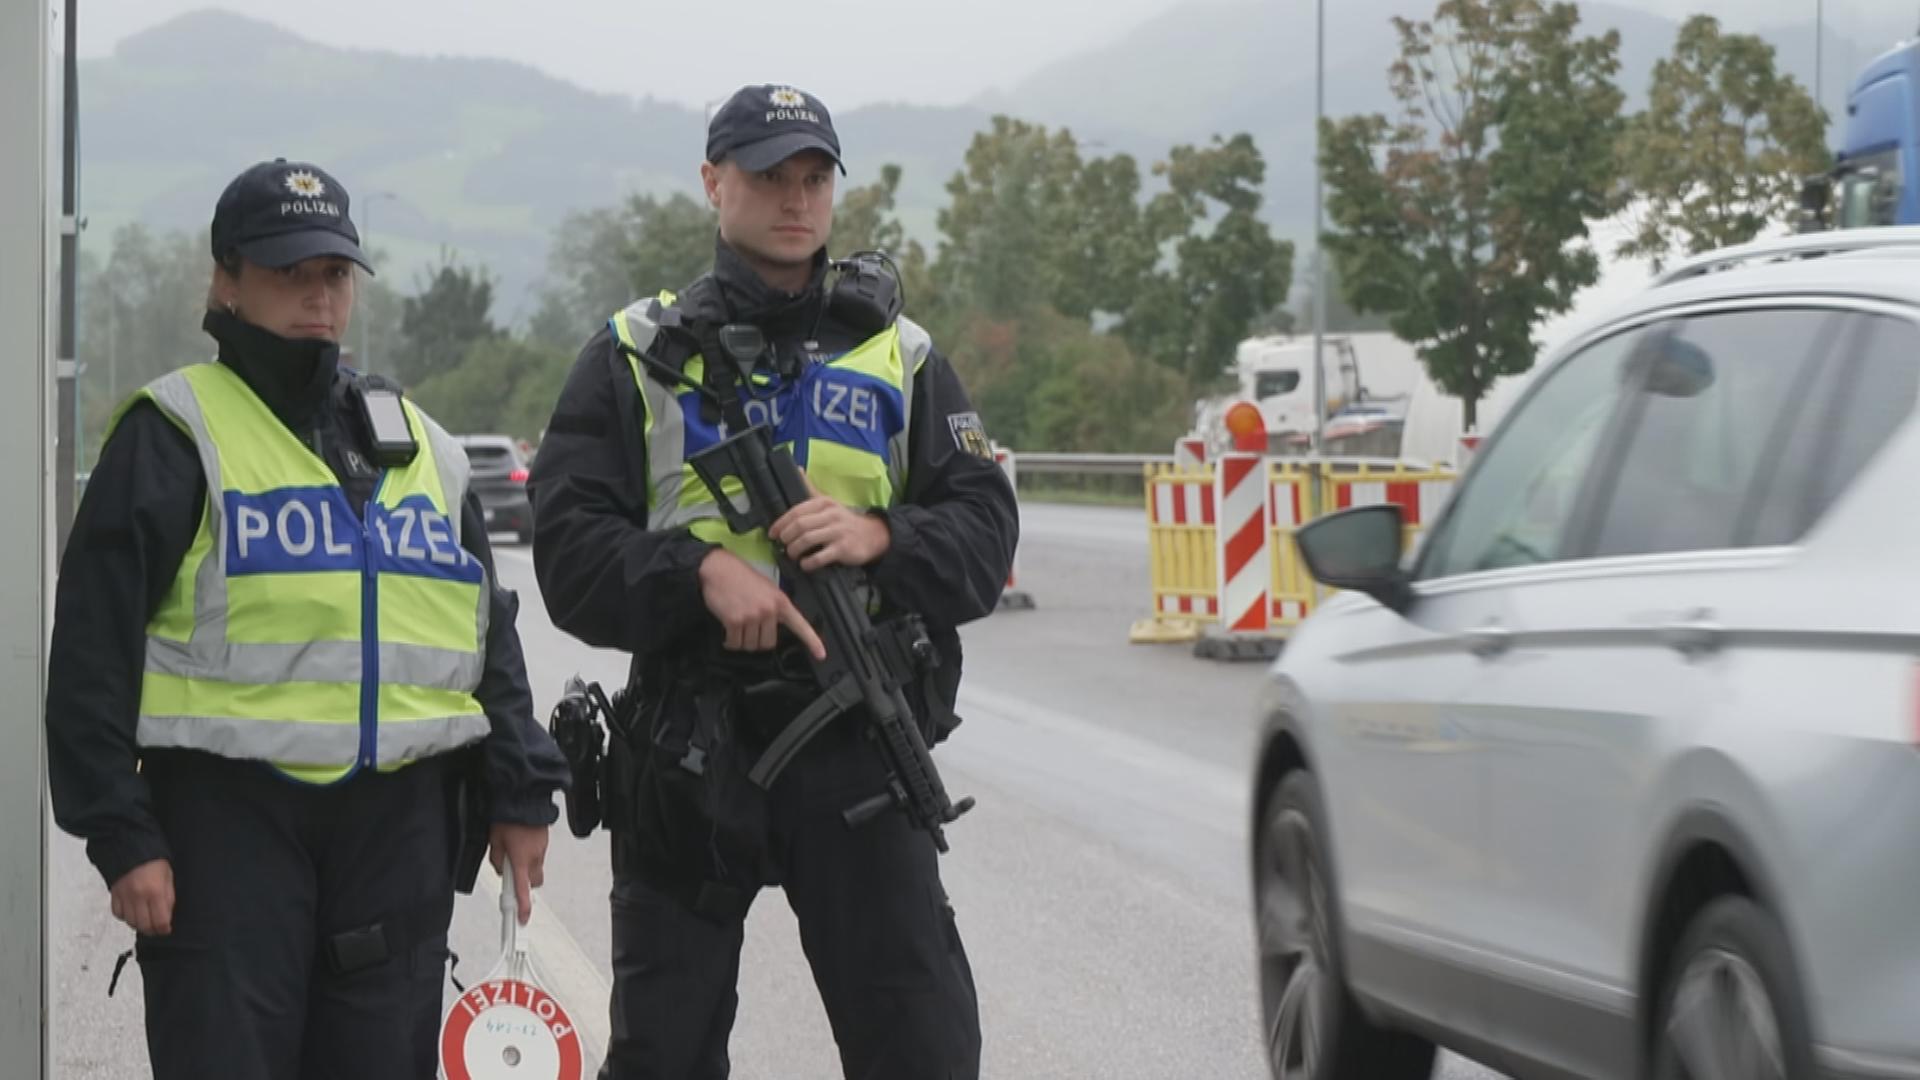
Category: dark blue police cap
<point>761,126</point>
<point>281,212</point>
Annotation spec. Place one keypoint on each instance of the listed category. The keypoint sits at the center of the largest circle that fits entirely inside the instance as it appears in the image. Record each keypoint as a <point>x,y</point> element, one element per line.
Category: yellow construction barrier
<point>1185,547</point>
<point>1182,553</point>
<point>1290,504</point>
<point>1421,492</point>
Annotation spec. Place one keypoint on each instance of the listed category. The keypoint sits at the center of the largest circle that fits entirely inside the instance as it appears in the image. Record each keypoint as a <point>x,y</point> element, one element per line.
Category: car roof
<point>486,440</point>
<point>1846,265</point>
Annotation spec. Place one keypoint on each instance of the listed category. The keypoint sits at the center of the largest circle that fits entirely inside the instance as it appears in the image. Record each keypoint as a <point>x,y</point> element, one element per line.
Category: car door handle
<point>1489,641</point>
<point>1694,635</point>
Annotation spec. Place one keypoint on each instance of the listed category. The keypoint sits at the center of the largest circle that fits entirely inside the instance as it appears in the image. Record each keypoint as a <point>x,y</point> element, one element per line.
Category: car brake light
<point>518,476</point>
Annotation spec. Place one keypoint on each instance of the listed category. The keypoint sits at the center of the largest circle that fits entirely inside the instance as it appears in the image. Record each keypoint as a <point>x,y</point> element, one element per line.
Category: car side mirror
<point>1359,550</point>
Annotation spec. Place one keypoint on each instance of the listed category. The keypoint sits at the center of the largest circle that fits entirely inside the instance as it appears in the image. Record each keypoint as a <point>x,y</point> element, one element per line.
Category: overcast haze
<point>850,52</point>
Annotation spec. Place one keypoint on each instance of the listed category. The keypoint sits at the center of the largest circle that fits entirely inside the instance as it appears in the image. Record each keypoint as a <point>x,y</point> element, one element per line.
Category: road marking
<point>1143,770</point>
<point>562,967</point>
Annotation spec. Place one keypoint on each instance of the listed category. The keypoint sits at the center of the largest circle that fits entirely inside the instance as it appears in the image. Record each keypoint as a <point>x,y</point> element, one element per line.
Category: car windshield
<point>490,456</point>
<point>1275,383</point>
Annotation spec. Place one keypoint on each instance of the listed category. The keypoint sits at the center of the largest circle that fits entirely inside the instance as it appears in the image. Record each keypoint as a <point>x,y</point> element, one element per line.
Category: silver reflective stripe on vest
<point>418,739</point>
<point>666,436</point>
<point>316,662</point>
<point>456,471</point>
<point>451,462</point>
<point>915,346</point>
<point>301,742</point>
<point>666,447</point>
<point>174,393</point>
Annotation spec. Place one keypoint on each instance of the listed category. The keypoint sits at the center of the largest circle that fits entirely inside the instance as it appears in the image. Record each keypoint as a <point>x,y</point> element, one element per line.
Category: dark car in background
<point>500,480</point>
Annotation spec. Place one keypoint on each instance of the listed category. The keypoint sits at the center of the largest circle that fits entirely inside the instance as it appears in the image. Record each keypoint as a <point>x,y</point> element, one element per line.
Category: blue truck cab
<point>1876,177</point>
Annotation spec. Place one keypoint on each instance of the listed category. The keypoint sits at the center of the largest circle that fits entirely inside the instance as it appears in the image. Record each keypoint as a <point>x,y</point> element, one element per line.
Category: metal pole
<point>1319,230</point>
<point>65,369</point>
<point>1819,50</point>
<point>25,422</point>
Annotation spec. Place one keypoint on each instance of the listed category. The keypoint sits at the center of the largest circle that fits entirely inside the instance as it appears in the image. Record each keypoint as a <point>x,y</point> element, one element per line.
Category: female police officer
<point>276,622</point>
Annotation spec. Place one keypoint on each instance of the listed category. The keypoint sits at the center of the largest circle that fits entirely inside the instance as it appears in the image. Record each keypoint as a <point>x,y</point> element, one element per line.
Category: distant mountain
<point>480,156</point>
<point>1227,67</point>
<point>485,156</point>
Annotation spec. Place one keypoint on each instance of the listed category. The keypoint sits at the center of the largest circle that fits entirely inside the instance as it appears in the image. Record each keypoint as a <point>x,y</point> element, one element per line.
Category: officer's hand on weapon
<point>751,608</point>
<point>143,898</point>
<point>821,532</point>
<point>524,846</point>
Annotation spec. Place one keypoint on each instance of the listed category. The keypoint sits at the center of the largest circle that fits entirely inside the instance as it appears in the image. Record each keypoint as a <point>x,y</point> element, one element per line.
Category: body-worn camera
<point>867,295</point>
<point>389,436</point>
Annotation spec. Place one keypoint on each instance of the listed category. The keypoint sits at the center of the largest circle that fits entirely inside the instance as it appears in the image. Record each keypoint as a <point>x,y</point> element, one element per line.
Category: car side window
<point>1710,405</point>
<point>1516,507</point>
<point>1870,389</point>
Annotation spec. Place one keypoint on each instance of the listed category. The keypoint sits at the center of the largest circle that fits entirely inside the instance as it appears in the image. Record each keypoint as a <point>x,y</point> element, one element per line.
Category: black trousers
<point>254,982</point>
<point>874,921</point>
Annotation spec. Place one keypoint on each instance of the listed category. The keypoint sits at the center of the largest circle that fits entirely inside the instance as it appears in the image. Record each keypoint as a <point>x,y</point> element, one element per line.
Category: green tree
<point>1341,317</point>
<point>589,272</point>
<point>378,313</point>
<point>1228,271</point>
<point>451,311</point>
<point>1463,218</point>
<point>1104,255</point>
<point>1007,218</point>
<point>673,242</point>
<point>603,259</point>
<point>140,309</point>
<point>502,385</point>
<point>864,219</point>
<point>1722,146</point>
<point>1044,380</point>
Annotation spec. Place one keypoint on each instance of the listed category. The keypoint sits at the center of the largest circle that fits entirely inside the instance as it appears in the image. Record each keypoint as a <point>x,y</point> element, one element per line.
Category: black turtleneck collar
<point>750,299</point>
<point>293,377</point>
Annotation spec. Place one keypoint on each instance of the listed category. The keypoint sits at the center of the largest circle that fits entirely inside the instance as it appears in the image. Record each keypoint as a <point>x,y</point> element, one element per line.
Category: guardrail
<point>1090,464</point>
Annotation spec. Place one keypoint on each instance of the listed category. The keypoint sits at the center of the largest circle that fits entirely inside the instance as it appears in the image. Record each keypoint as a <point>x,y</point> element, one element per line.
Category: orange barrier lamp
<point>1248,427</point>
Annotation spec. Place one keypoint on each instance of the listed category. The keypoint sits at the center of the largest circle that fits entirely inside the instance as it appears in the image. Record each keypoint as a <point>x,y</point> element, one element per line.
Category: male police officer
<point>632,553</point>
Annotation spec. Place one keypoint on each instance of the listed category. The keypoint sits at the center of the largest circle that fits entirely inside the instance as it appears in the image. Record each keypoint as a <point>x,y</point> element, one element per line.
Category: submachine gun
<point>755,483</point>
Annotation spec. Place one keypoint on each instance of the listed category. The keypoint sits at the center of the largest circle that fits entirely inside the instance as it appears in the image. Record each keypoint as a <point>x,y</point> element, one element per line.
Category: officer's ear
<point>710,179</point>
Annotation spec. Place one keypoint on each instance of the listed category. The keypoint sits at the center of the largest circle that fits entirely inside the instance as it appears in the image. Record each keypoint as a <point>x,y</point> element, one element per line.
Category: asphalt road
<point>1100,883</point>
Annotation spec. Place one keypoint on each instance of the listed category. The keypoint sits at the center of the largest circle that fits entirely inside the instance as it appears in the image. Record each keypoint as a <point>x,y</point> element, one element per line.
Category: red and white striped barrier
<point>1245,559</point>
<point>1419,500</point>
<point>1289,506</point>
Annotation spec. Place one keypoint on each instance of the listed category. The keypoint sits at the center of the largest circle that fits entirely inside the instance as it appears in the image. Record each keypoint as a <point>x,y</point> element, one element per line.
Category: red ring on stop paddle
<point>502,993</point>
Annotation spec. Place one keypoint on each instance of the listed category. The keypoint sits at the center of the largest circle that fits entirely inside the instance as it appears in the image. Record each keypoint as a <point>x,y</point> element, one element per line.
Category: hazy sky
<point>850,52</point>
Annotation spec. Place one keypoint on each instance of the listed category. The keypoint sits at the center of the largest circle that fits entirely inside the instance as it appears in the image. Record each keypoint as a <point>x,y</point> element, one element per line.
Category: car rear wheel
<point>1731,1008</point>
<point>1313,1028</point>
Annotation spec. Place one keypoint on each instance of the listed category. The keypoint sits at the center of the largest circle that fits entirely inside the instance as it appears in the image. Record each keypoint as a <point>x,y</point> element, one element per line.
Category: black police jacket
<point>613,583</point>
<point>142,508</point>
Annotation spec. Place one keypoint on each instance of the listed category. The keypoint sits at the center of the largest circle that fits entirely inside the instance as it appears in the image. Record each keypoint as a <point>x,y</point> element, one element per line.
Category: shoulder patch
<point>970,435</point>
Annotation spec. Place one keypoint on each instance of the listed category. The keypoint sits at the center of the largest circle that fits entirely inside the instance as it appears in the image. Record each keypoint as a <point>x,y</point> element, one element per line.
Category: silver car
<point>1618,775</point>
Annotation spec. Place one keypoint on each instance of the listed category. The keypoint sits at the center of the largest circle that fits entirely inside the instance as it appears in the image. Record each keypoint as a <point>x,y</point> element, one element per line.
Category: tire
<point>524,534</point>
<point>1312,1027</point>
<point>1730,1005</point>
